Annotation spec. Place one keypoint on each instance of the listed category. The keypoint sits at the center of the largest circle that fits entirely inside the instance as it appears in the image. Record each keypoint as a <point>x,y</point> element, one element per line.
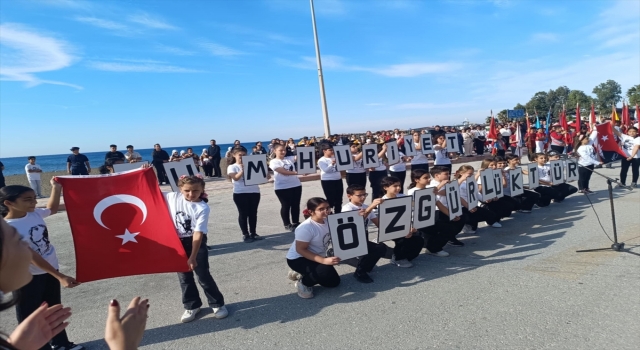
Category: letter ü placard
<point>424,208</point>
<point>497,182</point>
<point>370,156</point>
<point>557,176</point>
<point>255,169</point>
<point>306,160</point>
<point>395,218</point>
<point>176,169</point>
<point>348,235</point>
<point>454,203</point>
<point>344,158</point>
<point>409,147</point>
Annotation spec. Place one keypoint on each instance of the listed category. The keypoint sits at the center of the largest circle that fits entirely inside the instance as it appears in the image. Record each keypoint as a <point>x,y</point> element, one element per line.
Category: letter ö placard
<point>344,158</point>
<point>348,234</point>
<point>394,218</point>
<point>176,169</point>
<point>409,147</point>
<point>254,169</point>
<point>370,156</point>
<point>306,160</point>
<point>424,208</point>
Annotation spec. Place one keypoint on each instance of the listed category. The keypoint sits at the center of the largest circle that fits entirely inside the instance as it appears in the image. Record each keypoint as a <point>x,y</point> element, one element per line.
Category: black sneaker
<point>362,277</point>
<point>256,237</point>
<point>247,239</point>
<point>456,243</point>
<point>68,346</point>
<point>289,228</point>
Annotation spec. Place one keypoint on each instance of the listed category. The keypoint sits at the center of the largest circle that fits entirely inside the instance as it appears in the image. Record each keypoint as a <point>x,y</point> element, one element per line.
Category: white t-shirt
<point>381,166</point>
<point>419,158</point>
<point>239,186</point>
<point>401,166</point>
<point>281,181</point>
<point>587,156</point>
<point>544,173</point>
<point>358,168</point>
<point>628,143</point>
<point>34,231</point>
<point>441,199</point>
<point>188,217</point>
<point>505,132</point>
<point>129,156</point>
<point>351,207</point>
<point>441,157</point>
<point>328,170</point>
<point>32,176</point>
<point>316,234</point>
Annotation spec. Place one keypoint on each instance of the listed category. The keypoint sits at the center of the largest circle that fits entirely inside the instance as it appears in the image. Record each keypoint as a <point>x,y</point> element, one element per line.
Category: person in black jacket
<point>214,156</point>
<point>114,154</point>
<point>159,157</point>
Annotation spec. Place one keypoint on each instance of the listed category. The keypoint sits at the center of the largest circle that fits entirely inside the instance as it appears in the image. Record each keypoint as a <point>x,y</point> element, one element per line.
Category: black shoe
<point>256,237</point>
<point>295,225</point>
<point>68,346</point>
<point>362,277</point>
<point>289,228</point>
<point>456,243</point>
<point>247,239</point>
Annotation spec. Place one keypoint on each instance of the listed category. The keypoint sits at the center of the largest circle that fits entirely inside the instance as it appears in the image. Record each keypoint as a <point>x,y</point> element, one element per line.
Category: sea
<point>58,162</point>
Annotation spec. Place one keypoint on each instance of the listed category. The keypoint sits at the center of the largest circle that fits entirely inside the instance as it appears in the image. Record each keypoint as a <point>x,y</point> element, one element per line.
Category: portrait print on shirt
<point>39,238</point>
<point>183,224</point>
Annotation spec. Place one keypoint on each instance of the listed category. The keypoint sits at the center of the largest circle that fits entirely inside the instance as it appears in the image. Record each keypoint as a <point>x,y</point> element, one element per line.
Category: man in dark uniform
<point>214,156</point>
<point>78,164</point>
<point>114,154</point>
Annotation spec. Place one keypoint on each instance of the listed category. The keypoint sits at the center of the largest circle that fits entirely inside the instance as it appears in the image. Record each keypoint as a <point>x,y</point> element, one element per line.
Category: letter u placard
<point>306,160</point>
<point>348,234</point>
<point>394,218</point>
<point>176,169</point>
<point>255,169</point>
<point>344,158</point>
<point>452,190</point>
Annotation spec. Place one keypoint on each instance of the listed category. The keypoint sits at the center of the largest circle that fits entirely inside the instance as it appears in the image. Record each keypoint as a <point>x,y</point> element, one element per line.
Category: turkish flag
<point>606,141</point>
<point>121,226</point>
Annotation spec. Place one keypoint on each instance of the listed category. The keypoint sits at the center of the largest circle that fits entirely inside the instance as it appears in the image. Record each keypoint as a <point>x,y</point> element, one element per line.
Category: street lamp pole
<point>323,99</point>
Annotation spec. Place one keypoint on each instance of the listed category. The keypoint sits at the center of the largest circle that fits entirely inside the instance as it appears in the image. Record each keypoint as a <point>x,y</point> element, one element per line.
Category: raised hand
<point>124,333</point>
<point>42,325</point>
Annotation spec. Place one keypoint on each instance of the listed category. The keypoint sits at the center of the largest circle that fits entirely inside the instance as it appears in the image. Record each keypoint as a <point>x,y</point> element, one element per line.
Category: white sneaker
<point>468,229</point>
<point>401,263</point>
<point>189,315</point>
<point>496,225</point>
<point>294,276</point>
<point>220,312</point>
<point>304,292</point>
<point>441,253</point>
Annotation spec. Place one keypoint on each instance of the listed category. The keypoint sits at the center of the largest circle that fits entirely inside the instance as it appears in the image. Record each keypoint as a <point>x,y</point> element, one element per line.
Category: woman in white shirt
<point>467,142</point>
<point>246,198</point>
<point>419,161</point>
<point>357,175</point>
<point>330,178</point>
<point>588,160</point>
<point>287,186</point>
<point>307,256</point>
<point>440,147</point>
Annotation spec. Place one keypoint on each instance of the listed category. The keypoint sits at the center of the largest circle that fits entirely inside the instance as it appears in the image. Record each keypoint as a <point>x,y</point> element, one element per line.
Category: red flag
<point>563,119</point>
<point>578,126</point>
<point>121,226</point>
<point>493,132</point>
<point>625,115</point>
<point>528,123</point>
<point>606,140</point>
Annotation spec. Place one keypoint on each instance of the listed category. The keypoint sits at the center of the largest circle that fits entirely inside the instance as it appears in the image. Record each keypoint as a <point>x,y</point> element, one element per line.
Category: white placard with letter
<point>557,176</point>
<point>426,143</point>
<point>488,186</point>
<point>534,179</point>
<point>409,147</point>
<point>424,208</point>
<point>393,154</point>
<point>344,158</point>
<point>176,169</point>
<point>255,169</point>
<point>572,170</point>
<point>452,142</point>
<point>454,204</point>
<point>370,156</point>
<point>348,234</point>
<point>394,217</point>
<point>306,160</point>
<point>515,181</point>
<point>498,183</point>
<point>472,192</point>
<point>118,168</point>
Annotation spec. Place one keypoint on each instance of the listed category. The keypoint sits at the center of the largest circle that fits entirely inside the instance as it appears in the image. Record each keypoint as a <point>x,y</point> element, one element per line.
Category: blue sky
<point>88,74</point>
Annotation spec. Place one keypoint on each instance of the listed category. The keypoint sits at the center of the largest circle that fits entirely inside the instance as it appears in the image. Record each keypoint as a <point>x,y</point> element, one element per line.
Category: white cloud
<point>618,25</point>
<point>220,50</point>
<point>149,21</point>
<point>25,52</point>
<point>422,105</point>
<point>102,23</point>
<point>544,37</point>
<point>144,67</point>
<point>174,50</point>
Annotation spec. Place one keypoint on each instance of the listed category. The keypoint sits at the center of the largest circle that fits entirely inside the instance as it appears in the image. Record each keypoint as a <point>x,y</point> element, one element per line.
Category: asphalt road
<point>522,286</point>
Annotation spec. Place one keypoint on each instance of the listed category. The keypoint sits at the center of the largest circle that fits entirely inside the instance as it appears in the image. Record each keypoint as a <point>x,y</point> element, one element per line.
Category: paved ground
<point>519,287</point>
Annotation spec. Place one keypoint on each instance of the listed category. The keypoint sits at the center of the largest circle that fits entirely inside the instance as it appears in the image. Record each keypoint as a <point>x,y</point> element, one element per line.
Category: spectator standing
<point>479,138</point>
<point>77,163</point>
<point>158,158</point>
<point>132,156</point>
<point>214,157</point>
<point>114,154</point>
<point>33,175</point>
<point>467,142</point>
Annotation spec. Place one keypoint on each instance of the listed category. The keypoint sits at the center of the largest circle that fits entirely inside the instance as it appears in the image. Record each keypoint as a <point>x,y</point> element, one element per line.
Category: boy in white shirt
<point>33,175</point>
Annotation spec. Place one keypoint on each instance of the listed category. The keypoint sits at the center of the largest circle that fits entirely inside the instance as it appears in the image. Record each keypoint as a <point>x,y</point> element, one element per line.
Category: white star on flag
<point>605,138</point>
<point>128,237</point>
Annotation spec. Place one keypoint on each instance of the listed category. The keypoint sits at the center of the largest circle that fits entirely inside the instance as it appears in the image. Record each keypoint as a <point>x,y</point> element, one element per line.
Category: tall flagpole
<point>323,99</point>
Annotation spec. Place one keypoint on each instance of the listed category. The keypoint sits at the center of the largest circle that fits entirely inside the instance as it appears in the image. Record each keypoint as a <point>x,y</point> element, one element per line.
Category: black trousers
<point>401,175</point>
<point>444,230</point>
<point>375,252</point>
<point>408,248</point>
<point>500,153</point>
<point>357,179</point>
<point>160,172</point>
<point>216,167</point>
<point>41,288</point>
<point>526,200</point>
<point>546,195</point>
<point>584,175</point>
<point>290,204</point>
<point>333,191</point>
<point>190,295</point>
<point>479,215</point>
<point>374,181</point>
<point>565,190</point>
<point>478,147</point>
<point>424,166</point>
<point>314,273</point>
<point>502,207</point>
<point>247,204</point>
<point>624,169</point>
<point>208,168</point>
<point>79,171</point>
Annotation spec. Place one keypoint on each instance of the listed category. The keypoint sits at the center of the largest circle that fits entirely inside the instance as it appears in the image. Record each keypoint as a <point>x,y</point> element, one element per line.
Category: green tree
<point>556,98</point>
<point>578,96</point>
<point>633,94</point>
<point>538,103</point>
<point>501,117</point>
<point>607,94</point>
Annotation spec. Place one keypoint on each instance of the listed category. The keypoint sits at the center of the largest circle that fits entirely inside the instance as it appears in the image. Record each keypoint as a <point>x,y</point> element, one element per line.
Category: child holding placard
<point>287,187</point>
<point>246,198</point>
<point>506,189</point>
<point>448,227</point>
<point>496,205</point>
<point>477,214</point>
<point>357,175</point>
<point>376,174</point>
<point>526,200</point>
<point>547,193</point>
<point>330,177</point>
<point>420,160</point>
<point>564,188</point>
<point>441,154</point>
<point>406,248</point>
